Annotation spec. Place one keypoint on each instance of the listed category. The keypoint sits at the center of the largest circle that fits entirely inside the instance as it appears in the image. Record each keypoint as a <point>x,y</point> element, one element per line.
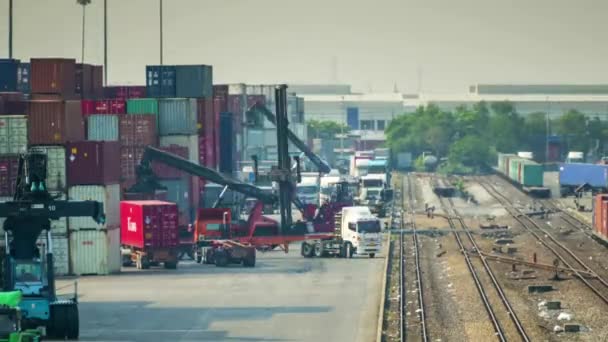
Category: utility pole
<point>105,42</point>
<point>161,31</point>
<point>547,131</point>
<point>10,28</point>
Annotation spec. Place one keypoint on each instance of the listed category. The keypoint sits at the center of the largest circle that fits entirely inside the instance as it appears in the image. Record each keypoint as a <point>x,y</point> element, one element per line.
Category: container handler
<point>25,268</point>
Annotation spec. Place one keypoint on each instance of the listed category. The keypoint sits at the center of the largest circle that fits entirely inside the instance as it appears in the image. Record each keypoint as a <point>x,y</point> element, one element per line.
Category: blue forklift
<point>27,268</point>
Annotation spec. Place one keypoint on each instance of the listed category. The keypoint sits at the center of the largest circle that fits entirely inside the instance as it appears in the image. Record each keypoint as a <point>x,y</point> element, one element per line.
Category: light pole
<point>547,130</point>
<point>84,4</point>
<point>161,30</point>
<point>10,29</point>
<point>105,42</point>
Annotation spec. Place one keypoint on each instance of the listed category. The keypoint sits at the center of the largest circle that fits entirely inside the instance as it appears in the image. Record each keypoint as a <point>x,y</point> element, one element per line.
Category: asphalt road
<point>284,298</point>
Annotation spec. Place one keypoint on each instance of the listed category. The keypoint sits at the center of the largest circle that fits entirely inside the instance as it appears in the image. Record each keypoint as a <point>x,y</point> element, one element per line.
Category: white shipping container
<point>270,137</point>
<point>109,195</point>
<point>13,134</point>
<point>95,251</point>
<point>55,167</point>
<point>61,252</point>
<point>189,141</point>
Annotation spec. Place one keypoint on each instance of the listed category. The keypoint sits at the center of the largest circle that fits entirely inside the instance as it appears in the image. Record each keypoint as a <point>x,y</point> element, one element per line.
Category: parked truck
<point>149,233</point>
<point>357,232</point>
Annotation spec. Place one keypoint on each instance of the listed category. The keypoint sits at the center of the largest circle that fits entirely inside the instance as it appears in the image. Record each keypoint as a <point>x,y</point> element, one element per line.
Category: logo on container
<point>131,226</point>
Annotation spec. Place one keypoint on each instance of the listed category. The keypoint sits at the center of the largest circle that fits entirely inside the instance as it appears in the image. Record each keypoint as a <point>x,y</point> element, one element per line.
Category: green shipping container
<point>531,174</point>
<point>514,169</point>
<point>142,106</point>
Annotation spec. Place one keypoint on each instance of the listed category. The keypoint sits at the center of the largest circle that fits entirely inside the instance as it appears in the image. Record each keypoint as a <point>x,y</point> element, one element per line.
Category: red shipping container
<point>112,106</point>
<point>206,152</point>
<point>54,122</point>
<point>124,92</point>
<point>83,80</point>
<point>53,76</point>
<point>93,162</point>
<point>164,171</point>
<point>138,130</point>
<point>204,111</point>
<point>148,224</point>
<point>130,156</point>
<point>598,211</point>
<point>12,103</point>
<point>9,169</point>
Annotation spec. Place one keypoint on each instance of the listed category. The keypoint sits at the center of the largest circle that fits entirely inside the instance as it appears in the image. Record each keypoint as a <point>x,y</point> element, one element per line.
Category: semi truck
<point>357,232</point>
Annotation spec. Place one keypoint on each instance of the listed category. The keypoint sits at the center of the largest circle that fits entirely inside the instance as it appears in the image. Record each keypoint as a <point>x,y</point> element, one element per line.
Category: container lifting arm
<point>321,165</point>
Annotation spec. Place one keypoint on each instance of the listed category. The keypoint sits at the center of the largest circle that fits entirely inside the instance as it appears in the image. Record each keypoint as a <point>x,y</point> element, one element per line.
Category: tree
<point>573,125</point>
<point>326,129</point>
<point>470,151</point>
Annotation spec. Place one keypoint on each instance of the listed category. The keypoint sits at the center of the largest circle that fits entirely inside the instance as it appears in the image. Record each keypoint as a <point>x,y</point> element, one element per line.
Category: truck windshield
<point>368,227</point>
<point>372,183</point>
<point>373,193</point>
<point>213,226</point>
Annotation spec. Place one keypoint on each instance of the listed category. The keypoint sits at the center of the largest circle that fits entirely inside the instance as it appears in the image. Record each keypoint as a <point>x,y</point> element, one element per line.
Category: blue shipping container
<point>102,127</point>
<point>227,146</point>
<point>160,81</point>
<point>8,74</point>
<point>23,78</point>
<point>194,81</point>
<point>352,117</point>
<point>576,174</point>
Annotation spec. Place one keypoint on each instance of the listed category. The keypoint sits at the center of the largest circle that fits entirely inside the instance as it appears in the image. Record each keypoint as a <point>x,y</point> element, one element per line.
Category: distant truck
<point>308,189</point>
<point>149,233</point>
<point>357,233</point>
<point>372,193</point>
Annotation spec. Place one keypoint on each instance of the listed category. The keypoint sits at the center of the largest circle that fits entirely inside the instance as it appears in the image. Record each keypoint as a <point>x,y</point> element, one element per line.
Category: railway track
<point>597,284</point>
<point>457,224</point>
<point>422,317</point>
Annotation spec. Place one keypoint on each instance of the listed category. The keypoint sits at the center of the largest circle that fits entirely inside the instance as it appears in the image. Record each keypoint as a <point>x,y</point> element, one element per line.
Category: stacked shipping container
<point>600,215</point>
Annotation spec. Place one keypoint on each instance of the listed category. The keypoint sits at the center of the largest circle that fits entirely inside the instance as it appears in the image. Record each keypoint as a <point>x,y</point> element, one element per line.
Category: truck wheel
<point>73,324</point>
<point>319,249</point>
<point>198,257</point>
<point>249,261</point>
<point>307,250</point>
<point>56,325</point>
<point>221,259</point>
<point>372,255</point>
<point>210,257</point>
<point>170,265</point>
<point>145,262</point>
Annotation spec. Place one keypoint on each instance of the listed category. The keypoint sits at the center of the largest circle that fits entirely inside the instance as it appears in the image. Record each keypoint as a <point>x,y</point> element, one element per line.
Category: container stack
<point>182,98</point>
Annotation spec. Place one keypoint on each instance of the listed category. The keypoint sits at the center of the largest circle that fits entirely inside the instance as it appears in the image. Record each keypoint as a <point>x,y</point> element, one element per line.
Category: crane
<point>28,270</point>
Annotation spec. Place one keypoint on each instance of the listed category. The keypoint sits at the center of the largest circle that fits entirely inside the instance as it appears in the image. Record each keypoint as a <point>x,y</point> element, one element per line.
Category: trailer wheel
<point>56,326</point>
<point>198,257</point>
<point>209,257</point>
<point>145,262</point>
<point>221,259</point>
<point>319,250</point>
<point>307,250</point>
<point>170,265</point>
<point>249,261</point>
<point>72,325</point>
<point>372,255</point>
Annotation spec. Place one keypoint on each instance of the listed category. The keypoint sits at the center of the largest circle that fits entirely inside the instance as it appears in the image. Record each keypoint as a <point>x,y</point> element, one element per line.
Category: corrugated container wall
<point>9,170</point>
<point>93,162</point>
<point>53,76</point>
<point>8,74</point>
<point>95,252</point>
<point>130,157</point>
<point>115,106</point>
<point>142,106</point>
<point>84,80</point>
<point>160,80</point>
<point>227,146</point>
<point>177,116</point>
<point>109,195</point>
<point>23,78</point>
<point>138,130</point>
<point>60,253</point>
<point>55,167</point>
<point>54,122</point>
<point>188,141</point>
<point>161,170</point>
<point>13,134</point>
<point>193,81</point>
<point>102,127</point>
<point>124,92</point>
<point>150,224</point>
<point>179,192</point>
<point>532,175</point>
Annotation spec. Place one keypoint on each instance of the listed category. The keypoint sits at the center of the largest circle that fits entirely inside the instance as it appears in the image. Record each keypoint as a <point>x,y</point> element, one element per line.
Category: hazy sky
<point>376,43</point>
